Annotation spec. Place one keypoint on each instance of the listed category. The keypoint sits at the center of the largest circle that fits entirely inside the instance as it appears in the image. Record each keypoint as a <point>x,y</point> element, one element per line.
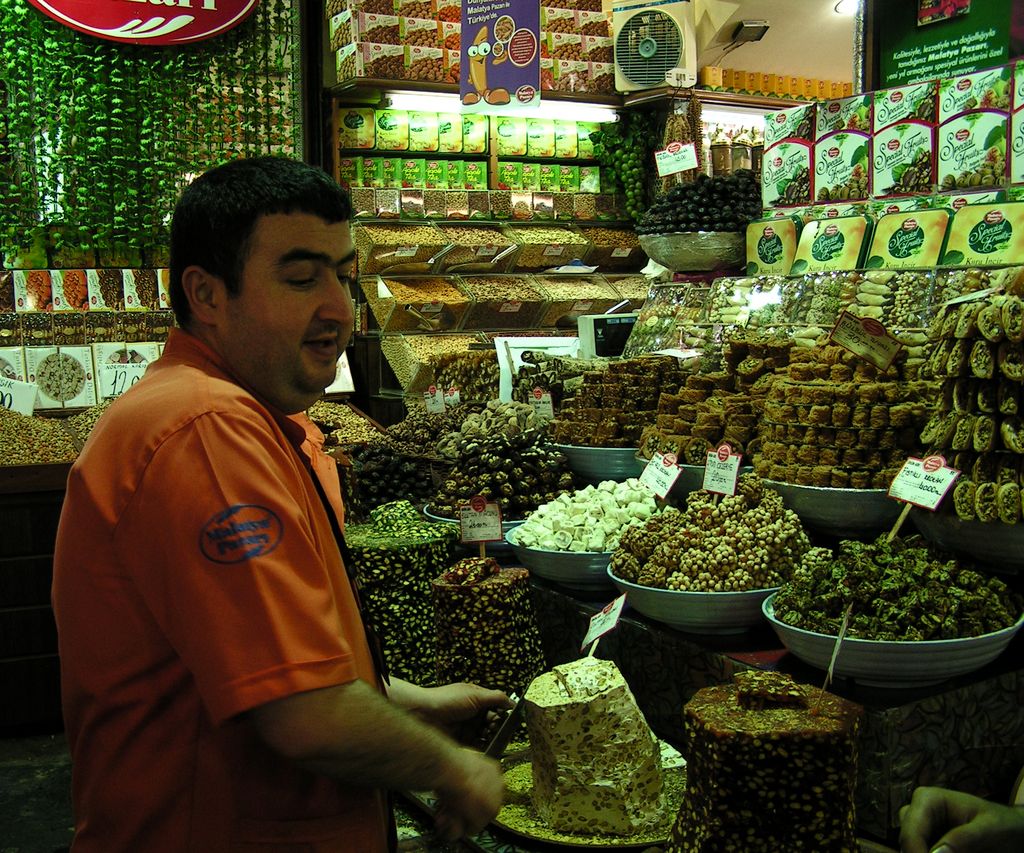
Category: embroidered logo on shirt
<point>240,532</point>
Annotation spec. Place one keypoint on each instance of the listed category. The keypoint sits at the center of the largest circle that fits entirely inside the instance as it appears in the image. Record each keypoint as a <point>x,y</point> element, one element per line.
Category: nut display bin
<point>614,249</point>
<point>503,302</point>
<point>571,295</point>
<point>397,247</point>
<point>476,248</point>
<point>415,303</point>
<point>413,358</point>
<point>635,287</point>
<point>545,246</point>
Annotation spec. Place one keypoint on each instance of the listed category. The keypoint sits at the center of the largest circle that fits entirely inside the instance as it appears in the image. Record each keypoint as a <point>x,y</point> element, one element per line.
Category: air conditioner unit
<point>655,44</point>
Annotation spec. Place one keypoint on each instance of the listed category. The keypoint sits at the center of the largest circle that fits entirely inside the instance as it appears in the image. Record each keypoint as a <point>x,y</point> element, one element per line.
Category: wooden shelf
<point>708,97</point>
<point>20,479</point>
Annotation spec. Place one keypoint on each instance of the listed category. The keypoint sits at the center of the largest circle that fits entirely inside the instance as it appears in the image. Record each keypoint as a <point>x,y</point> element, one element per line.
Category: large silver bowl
<point>696,251</point>
<point>893,663</point>
<point>597,464</point>
<point>696,612</point>
<point>851,513</point>
<point>586,571</point>
<point>999,546</point>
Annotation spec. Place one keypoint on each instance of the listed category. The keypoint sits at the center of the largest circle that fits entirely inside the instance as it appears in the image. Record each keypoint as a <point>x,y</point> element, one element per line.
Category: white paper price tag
<point>487,251</point>
<point>115,379</point>
<point>510,307</point>
<point>542,405</point>
<point>17,396</point>
<point>480,520</point>
<point>405,251</point>
<point>661,474</point>
<point>923,482</point>
<point>553,251</point>
<point>675,157</point>
<point>604,621</point>
<point>866,338</point>
<point>722,470</point>
<point>434,399</point>
<point>452,398</point>
<point>621,253</point>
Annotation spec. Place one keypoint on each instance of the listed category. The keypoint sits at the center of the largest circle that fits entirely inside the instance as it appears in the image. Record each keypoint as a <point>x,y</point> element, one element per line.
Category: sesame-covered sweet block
<point>596,764</point>
<point>769,768</point>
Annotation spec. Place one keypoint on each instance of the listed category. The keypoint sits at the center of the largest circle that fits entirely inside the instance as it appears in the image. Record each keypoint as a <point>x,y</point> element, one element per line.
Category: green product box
<point>474,175</point>
<point>392,130</point>
<point>531,176</point>
<point>373,172</point>
<point>510,175</point>
<point>475,129</point>
<point>423,131</point>
<point>567,143</point>
<point>356,127</point>
<point>511,134</point>
<point>569,179</point>
<point>449,133</point>
<point>350,172</point>
<point>414,173</point>
<point>540,137</point>
<point>590,179</point>
<point>453,173</point>
<point>585,146</point>
<point>549,178</point>
<point>435,175</point>
<point>391,172</point>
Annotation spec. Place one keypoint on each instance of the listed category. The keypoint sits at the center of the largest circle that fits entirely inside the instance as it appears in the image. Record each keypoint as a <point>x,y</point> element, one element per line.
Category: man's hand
<point>469,796</point>
<point>943,821</point>
<point>460,709</point>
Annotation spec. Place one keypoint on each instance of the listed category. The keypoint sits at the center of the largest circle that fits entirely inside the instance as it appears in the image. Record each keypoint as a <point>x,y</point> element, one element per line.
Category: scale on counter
<point>604,334</point>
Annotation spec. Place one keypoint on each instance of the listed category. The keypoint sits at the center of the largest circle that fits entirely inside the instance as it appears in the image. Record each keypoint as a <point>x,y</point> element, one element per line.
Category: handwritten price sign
<point>480,520</point>
<point>721,470</point>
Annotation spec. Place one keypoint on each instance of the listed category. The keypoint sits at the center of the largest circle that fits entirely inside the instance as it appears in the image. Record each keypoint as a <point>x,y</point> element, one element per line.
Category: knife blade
<point>496,748</point>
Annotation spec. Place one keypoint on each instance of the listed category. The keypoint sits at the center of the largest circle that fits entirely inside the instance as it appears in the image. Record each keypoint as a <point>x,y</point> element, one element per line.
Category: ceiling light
<point>450,103</point>
<point>847,7</point>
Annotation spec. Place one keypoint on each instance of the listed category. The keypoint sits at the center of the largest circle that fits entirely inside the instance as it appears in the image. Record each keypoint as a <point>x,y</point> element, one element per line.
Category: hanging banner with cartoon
<point>500,65</point>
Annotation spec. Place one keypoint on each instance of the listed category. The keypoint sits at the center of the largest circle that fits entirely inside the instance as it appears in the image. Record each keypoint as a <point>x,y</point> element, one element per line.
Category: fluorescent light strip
<point>444,103</point>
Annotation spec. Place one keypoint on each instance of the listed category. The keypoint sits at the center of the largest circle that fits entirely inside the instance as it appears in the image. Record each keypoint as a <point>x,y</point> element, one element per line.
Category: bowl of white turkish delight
<point>569,540</point>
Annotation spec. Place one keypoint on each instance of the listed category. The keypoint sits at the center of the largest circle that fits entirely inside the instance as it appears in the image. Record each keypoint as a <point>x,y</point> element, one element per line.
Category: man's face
<point>292,318</point>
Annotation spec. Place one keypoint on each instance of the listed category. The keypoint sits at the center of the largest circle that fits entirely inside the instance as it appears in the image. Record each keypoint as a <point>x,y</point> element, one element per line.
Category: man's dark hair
<point>216,214</point>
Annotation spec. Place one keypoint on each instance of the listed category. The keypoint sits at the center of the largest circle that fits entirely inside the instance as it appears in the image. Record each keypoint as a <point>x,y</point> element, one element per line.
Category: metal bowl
<point>893,663</point>
<point>852,513</point>
<point>586,571</point>
<point>998,546</point>
<point>696,612</point>
<point>696,251</point>
<point>597,464</point>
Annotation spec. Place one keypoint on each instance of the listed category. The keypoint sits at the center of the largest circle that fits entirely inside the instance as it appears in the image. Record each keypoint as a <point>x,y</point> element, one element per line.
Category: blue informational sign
<point>500,67</point>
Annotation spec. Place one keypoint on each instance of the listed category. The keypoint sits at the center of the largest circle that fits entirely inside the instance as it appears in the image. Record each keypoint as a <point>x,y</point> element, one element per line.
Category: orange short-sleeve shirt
<point>196,576</point>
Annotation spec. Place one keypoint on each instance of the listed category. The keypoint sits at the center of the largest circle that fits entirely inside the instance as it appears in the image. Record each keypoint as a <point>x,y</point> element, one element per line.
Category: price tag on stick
<point>542,406</point>
<point>867,338</point>
<point>661,474</point>
<point>602,622</point>
<point>721,470</point>
<point>480,521</point>
<point>923,483</point>
<point>434,399</point>
<point>832,660</point>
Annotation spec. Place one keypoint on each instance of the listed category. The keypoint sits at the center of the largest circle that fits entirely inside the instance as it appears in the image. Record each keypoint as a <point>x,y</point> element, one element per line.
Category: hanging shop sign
<point>499,71</point>
<point>148,22</point>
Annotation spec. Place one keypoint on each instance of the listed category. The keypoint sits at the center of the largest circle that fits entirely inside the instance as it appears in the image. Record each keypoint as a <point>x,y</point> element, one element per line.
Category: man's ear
<point>206,294</point>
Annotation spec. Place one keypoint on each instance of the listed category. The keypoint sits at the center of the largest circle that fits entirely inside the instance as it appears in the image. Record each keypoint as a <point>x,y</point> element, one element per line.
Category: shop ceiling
<point>805,38</point>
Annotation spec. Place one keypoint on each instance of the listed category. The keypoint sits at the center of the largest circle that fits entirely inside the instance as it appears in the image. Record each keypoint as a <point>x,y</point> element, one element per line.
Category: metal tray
<point>597,464</point>
<point>998,546</point>
<point>848,513</point>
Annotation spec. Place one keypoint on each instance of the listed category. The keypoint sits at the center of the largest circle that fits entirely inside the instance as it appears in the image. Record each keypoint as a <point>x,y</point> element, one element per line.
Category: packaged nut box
<point>392,130</point>
<point>381,62</point>
<point>982,90</point>
<point>1017,144</point>
<point>356,127</point>
<point>540,137</point>
<point>33,290</point>
<point>842,167</point>
<point>792,123</point>
<point>449,133</point>
<point>397,247</point>
<point>972,150</point>
<point>424,63</point>
<point>916,102</point>
<point>787,174</point>
<point>903,159</point>
<point>423,131</point>
<point>63,376</point>
<point>853,113</point>
<point>415,304</point>
<point>512,136</point>
<point>476,248</point>
<point>503,302</point>
<point>909,240</point>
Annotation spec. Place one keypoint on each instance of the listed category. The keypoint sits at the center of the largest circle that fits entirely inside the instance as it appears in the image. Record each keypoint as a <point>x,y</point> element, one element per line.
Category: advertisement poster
<point>924,40</point>
<point>500,67</point>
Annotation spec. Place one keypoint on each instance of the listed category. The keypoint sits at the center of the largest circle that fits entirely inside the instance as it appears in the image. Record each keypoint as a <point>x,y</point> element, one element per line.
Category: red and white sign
<point>660,474</point>
<point>603,621</point>
<point>480,520</point>
<point>148,22</point>
<point>722,470</point>
<point>923,482</point>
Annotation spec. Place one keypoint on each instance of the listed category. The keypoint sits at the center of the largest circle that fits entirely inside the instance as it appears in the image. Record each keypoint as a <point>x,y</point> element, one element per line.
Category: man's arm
<point>955,822</point>
<point>354,734</point>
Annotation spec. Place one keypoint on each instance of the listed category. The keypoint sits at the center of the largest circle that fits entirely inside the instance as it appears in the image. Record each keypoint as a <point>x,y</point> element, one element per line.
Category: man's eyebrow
<point>296,255</point>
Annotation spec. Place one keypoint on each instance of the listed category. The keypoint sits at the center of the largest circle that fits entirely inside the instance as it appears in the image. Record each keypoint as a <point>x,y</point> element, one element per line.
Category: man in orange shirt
<point>219,689</point>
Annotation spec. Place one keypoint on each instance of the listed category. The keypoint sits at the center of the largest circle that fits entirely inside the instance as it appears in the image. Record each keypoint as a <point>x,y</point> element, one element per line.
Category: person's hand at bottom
<point>470,796</point>
<point>938,820</point>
